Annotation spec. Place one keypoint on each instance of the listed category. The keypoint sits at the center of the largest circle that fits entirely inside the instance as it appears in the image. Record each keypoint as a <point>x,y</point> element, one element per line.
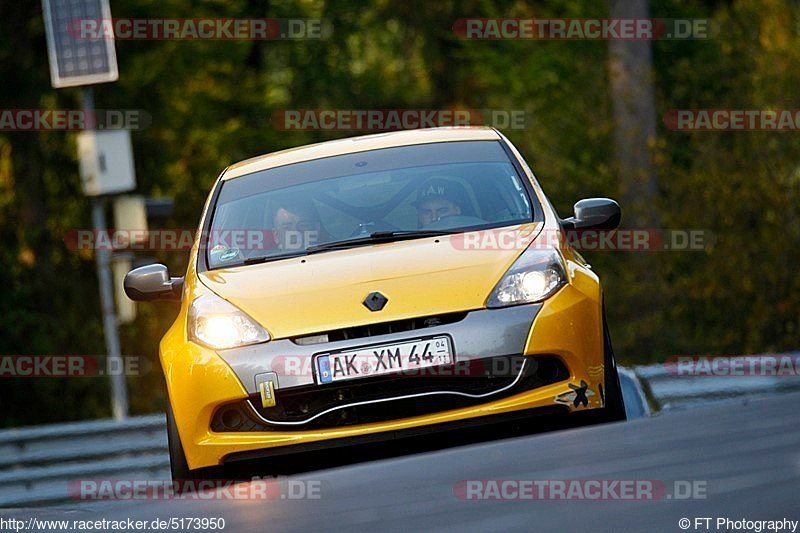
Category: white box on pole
<point>106,162</point>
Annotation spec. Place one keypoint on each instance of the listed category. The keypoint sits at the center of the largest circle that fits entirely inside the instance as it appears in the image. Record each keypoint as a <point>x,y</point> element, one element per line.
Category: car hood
<point>326,291</point>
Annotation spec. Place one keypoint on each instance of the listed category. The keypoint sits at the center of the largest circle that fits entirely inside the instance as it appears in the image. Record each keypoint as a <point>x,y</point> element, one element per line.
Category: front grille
<point>381,328</point>
<point>301,403</point>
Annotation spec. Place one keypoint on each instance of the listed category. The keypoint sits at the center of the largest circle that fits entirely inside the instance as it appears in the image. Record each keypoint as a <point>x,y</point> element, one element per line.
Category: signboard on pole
<point>76,59</point>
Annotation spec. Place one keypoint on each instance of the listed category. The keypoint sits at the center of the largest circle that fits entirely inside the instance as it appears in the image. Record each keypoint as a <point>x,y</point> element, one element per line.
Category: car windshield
<point>402,192</point>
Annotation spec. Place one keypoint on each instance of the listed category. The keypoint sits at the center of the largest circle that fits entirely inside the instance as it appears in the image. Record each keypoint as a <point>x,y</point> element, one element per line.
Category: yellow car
<point>378,287</point>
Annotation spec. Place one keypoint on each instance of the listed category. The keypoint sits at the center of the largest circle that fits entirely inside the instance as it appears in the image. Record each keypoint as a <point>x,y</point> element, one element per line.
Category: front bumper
<point>567,327</point>
<point>478,335</point>
<point>392,396</point>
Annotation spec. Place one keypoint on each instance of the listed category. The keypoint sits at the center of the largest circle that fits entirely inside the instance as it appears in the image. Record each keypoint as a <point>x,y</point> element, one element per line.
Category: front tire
<point>185,477</point>
<point>179,467</point>
<point>614,410</point>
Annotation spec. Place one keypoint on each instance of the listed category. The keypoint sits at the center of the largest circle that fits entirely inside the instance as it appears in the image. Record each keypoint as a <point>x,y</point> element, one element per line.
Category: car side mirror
<point>152,282</point>
<point>594,213</point>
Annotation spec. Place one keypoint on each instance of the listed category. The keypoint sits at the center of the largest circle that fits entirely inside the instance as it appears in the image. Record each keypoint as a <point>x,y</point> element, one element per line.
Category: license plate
<point>373,361</point>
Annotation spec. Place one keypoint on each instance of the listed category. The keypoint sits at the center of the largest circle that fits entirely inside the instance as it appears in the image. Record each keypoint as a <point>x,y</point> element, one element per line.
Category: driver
<point>439,198</point>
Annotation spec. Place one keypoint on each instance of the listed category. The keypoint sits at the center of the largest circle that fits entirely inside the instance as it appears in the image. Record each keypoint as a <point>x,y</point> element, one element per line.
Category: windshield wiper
<point>265,258</point>
<point>376,237</point>
<point>372,238</point>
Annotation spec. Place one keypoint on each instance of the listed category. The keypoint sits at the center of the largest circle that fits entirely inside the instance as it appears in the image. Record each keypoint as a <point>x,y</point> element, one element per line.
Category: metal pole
<point>119,393</point>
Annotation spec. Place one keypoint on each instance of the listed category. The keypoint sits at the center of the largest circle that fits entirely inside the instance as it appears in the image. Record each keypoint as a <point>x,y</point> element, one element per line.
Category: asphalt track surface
<point>745,452</point>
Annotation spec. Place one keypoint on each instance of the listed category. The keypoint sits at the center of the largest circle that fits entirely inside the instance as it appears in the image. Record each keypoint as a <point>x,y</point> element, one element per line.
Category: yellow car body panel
<point>198,381</point>
<point>448,278</point>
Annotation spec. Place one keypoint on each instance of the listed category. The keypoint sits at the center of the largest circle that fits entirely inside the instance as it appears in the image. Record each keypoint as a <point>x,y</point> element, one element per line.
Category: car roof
<point>359,144</point>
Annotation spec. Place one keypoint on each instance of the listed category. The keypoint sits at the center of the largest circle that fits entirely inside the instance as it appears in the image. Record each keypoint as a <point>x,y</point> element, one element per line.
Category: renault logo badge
<point>375,301</point>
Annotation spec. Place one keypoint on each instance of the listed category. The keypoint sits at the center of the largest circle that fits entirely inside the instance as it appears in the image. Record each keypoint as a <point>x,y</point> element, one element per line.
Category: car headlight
<point>535,276</point>
<point>219,325</point>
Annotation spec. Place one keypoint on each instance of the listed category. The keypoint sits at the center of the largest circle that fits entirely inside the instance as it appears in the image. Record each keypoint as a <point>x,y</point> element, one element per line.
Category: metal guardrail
<point>670,391</point>
<point>37,463</point>
<point>636,404</point>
